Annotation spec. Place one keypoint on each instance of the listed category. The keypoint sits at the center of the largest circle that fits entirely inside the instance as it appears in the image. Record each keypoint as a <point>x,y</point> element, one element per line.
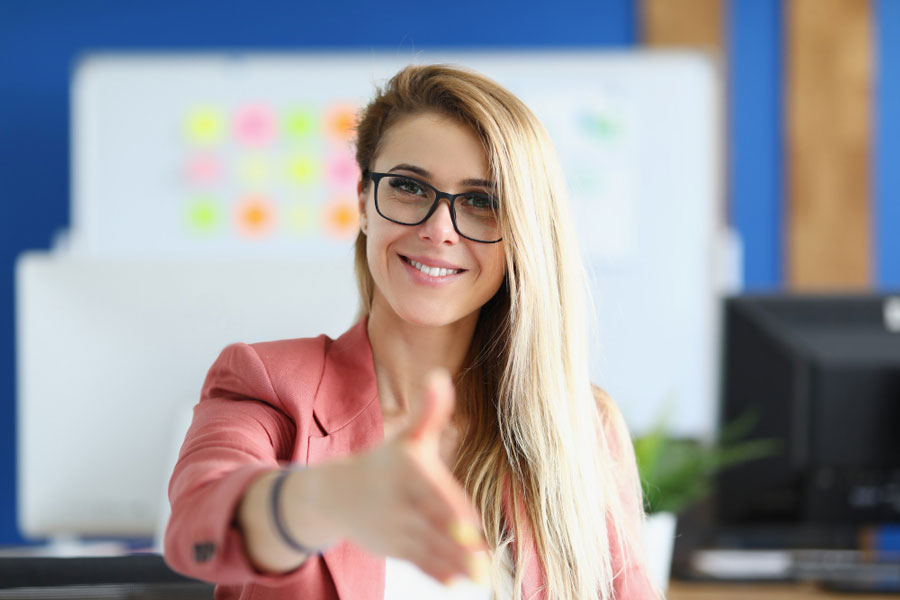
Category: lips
<point>431,270</point>
<point>432,262</point>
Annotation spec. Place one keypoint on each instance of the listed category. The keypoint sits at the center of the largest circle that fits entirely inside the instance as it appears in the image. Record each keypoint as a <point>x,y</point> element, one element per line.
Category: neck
<point>404,353</point>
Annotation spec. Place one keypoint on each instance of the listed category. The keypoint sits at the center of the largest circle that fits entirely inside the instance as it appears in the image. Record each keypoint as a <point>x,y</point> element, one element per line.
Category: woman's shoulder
<point>278,365</point>
<point>615,430</point>
<point>261,370</point>
<point>609,413</point>
<point>291,349</point>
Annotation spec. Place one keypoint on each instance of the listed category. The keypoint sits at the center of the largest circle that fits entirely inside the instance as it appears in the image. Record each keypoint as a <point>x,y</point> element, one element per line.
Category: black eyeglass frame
<point>376,177</point>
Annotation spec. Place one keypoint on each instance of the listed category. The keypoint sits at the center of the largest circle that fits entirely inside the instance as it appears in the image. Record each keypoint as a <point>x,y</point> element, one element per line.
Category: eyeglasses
<point>409,201</point>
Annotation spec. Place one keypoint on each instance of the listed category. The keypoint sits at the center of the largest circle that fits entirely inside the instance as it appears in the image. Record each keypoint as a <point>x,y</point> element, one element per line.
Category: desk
<point>683,590</point>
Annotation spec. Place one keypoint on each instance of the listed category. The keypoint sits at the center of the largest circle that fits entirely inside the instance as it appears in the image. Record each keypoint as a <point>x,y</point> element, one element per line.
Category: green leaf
<point>676,473</point>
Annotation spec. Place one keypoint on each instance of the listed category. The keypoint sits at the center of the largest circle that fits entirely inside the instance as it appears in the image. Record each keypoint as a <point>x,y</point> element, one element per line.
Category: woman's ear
<point>361,195</point>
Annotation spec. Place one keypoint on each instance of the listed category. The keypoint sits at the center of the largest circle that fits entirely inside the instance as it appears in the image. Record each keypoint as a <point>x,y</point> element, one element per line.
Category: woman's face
<point>449,156</point>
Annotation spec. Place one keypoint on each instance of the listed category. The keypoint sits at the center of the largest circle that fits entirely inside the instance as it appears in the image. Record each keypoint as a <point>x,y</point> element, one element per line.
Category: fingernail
<point>465,534</point>
<point>479,567</point>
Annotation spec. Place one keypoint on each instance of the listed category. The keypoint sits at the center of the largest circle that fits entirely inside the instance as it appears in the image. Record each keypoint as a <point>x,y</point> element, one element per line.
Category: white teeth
<point>433,271</point>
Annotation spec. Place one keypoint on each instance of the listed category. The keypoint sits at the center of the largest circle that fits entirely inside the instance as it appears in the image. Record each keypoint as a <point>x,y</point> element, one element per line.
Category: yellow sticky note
<point>204,125</point>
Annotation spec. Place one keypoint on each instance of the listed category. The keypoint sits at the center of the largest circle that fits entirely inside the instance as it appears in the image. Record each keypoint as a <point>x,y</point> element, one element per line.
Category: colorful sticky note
<point>599,125</point>
<point>301,170</point>
<point>255,216</point>
<point>254,125</point>
<point>203,214</point>
<point>202,169</point>
<point>299,123</point>
<point>301,218</point>
<point>254,170</point>
<point>342,171</point>
<point>204,125</point>
<point>340,217</point>
<point>340,122</point>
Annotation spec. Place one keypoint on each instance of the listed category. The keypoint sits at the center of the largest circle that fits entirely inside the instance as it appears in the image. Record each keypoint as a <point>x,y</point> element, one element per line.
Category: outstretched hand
<point>401,500</point>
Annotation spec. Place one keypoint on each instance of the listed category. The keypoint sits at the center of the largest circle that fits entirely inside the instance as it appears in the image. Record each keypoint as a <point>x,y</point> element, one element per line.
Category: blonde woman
<point>454,426</point>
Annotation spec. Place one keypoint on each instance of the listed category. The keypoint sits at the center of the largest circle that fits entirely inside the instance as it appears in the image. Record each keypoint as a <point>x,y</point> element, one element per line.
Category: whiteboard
<point>222,156</point>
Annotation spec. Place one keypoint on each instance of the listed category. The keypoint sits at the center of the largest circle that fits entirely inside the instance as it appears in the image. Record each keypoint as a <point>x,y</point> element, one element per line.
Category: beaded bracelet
<point>275,504</point>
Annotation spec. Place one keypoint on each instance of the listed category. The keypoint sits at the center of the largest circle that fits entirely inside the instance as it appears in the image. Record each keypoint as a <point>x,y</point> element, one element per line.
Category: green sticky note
<point>299,123</point>
<point>203,214</point>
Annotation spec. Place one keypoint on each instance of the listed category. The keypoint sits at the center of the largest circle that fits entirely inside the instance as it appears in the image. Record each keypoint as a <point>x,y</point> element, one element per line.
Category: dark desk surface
<point>682,590</point>
<point>115,591</point>
<point>19,572</point>
<point>146,577</point>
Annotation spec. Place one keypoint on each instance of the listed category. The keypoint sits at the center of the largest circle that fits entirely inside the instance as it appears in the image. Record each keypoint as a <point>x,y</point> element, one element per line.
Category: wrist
<point>307,510</point>
<point>277,513</point>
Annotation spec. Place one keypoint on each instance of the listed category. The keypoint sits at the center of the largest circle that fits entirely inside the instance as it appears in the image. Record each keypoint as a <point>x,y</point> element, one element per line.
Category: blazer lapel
<point>347,410</point>
<point>533,582</point>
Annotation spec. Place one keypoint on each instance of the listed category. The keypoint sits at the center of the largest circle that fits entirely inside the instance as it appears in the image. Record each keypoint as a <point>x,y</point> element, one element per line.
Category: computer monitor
<point>111,357</point>
<point>822,374</point>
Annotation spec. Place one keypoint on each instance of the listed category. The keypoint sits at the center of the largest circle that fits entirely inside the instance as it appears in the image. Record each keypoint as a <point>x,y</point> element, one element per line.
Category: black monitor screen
<point>822,376</point>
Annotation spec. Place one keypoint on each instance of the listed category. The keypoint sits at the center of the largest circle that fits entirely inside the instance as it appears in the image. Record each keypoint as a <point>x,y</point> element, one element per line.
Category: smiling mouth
<point>431,271</point>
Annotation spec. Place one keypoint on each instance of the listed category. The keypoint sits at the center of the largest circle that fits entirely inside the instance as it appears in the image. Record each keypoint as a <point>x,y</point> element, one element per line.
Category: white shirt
<point>403,580</point>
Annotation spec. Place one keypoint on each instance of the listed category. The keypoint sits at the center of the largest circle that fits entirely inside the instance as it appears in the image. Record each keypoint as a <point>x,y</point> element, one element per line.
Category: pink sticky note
<point>255,125</point>
<point>203,169</point>
<point>343,173</point>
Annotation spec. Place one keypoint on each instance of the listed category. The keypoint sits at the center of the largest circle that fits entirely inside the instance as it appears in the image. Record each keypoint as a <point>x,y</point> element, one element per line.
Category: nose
<point>439,226</point>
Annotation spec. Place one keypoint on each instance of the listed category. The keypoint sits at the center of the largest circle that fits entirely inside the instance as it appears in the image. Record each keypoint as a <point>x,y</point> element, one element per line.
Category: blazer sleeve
<point>632,581</point>
<point>240,430</point>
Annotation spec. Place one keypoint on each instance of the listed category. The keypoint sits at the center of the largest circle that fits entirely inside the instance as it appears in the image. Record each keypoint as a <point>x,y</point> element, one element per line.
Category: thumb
<point>435,407</point>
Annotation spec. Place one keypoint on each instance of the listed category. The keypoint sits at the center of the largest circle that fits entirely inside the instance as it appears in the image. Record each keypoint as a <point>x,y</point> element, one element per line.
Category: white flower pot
<point>659,538</point>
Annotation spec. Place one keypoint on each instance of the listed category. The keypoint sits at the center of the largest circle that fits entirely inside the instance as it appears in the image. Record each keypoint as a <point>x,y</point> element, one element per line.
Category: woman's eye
<point>409,186</point>
<point>482,202</point>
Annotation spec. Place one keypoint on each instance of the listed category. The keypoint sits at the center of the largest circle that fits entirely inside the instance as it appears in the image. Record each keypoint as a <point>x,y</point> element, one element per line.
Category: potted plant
<point>676,472</point>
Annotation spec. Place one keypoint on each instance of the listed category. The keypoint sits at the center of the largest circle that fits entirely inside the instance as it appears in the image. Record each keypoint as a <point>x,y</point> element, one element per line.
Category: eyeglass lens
<point>407,201</point>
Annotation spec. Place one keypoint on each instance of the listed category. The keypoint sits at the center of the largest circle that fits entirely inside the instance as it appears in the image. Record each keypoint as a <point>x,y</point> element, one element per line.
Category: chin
<point>431,315</point>
<point>426,318</point>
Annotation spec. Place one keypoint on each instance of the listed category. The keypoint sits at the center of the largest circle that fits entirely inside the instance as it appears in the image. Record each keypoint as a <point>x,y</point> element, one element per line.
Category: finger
<point>434,567</point>
<point>451,512</point>
<point>462,511</point>
<point>412,546</point>
<point>433,547</point>
<point>461,561</point>
<point>435,407</point>
<point>448,511</point>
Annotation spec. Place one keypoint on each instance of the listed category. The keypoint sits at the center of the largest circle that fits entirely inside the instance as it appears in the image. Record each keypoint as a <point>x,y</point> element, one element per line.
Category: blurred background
<point>743,147</point>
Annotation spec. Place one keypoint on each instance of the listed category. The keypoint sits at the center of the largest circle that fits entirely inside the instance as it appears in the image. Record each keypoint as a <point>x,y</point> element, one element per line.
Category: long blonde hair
<point>535,434</point>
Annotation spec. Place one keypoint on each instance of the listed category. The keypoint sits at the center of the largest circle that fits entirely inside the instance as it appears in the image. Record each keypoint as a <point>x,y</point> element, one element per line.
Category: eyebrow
<point>424,173</point>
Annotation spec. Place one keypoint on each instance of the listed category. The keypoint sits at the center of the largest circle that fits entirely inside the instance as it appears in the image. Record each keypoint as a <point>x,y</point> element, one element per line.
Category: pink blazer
<point>263,405</point>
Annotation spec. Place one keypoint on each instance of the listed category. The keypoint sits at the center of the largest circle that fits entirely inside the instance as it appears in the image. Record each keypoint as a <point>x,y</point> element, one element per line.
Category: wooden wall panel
<point>694,23</point>
<point>829,124</point>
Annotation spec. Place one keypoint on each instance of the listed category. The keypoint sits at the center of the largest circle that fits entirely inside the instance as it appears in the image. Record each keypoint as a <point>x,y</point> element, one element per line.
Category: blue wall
<point>886,221</point>
<point>40,39</point>
<point>755,168</point>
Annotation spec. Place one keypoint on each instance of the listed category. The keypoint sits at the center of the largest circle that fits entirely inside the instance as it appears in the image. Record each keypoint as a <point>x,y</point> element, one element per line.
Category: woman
<point>467,265</point>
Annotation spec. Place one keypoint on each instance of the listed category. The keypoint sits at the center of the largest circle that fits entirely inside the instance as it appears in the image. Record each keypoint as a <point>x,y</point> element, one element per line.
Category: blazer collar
<point>347,408</point>
<point>348,387</point>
